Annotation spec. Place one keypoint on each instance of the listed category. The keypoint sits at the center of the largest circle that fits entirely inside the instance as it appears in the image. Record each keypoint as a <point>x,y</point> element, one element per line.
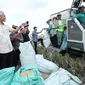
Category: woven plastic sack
<point>62,77</point>
<point>45,66</point>
<point>27,55</point>
<point>27,76</point>
<point>46,39</point>
<point>6,76</point>
<point>64,43</point>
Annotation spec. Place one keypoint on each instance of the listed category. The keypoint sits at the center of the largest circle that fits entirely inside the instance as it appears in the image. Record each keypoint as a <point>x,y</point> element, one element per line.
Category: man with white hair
<point>6,48</point>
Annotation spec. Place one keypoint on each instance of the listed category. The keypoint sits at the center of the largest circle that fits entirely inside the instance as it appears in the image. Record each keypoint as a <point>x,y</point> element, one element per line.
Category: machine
<point>75,31</point>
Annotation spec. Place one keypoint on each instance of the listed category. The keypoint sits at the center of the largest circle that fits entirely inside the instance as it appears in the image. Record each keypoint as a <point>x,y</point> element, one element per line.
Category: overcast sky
<point>35,11</point>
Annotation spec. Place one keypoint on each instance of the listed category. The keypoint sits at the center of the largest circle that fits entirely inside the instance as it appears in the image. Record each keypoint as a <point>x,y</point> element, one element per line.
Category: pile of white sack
<point>57,76</point>
<point>32,69</point>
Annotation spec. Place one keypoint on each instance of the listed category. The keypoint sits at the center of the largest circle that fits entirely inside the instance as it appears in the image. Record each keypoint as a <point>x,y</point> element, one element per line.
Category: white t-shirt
<point>53,31</point>
<point>5,42</point>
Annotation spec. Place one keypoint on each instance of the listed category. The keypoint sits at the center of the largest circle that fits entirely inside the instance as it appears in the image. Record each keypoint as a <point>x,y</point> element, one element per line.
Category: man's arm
<point>14,30</point>
<point>41,30</point>
<point>15,36</point>
<point>28,30</point>
<point>77,16</point>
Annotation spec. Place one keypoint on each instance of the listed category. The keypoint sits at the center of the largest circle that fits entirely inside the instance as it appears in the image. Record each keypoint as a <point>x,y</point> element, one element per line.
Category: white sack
<point>27,55</point>
<point>39,57</point>
<point>45,66</point>
<point>46,39</point>
<point>62,77</point>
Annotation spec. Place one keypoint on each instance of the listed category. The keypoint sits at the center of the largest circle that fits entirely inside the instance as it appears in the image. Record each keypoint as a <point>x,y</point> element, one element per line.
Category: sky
<point>37,12</point>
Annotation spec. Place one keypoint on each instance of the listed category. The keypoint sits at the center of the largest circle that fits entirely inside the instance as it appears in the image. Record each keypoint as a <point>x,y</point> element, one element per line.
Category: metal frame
<point>83,33</point>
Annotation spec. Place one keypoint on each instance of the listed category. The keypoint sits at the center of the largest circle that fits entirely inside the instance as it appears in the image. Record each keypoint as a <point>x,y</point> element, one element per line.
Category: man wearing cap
<point>60,24</point>
<point>16,38</point>
<point>81,15</point>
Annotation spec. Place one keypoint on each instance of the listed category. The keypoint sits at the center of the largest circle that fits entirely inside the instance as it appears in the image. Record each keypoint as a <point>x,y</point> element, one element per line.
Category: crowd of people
<point>57,27</point>
<point>10,41</point>
<point>10,38</point>
<point>56,30</point>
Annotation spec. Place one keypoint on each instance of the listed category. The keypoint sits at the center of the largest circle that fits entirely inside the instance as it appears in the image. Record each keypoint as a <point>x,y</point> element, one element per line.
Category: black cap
<point>58,15</point>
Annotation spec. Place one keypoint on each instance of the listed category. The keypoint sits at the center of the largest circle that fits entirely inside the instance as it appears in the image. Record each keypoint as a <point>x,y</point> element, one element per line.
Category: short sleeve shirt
<point>81,17</point>
<point>5,42</point>
<point>35,36</point>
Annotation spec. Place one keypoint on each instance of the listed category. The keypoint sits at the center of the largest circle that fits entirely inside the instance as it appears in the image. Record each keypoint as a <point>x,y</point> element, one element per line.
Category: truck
<point>75,31</point>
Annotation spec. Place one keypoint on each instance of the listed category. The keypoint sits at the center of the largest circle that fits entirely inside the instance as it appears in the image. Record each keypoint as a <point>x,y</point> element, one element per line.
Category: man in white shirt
<point>53,34</point>
<point>6,48</point>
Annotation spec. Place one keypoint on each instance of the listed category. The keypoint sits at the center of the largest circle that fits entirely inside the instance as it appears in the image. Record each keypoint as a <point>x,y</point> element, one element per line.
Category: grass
<point>74,65</point>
